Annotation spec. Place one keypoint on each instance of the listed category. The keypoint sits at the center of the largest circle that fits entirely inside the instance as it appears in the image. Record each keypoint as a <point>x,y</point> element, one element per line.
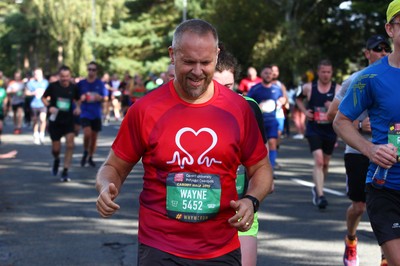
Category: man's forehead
<point>194,37</point>
<point>190,54</point>
<point>325,68</point>
<point>196,48</point>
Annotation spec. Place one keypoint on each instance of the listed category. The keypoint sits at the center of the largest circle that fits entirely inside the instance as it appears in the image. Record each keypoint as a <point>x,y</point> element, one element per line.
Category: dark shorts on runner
<point>77,120</point>
<point>383,206</point>
<point>16,106</point>
<point>356,172</point>
<point>315,142</point>
<point>56,130</point>
<point>94,124</point>
<point>148,256</point>
<point>125,100</point>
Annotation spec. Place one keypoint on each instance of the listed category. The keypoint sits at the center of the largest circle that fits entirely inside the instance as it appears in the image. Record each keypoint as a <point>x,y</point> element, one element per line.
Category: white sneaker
<point>41,138</point>
<point>298,136</point>
<point>36,140</point>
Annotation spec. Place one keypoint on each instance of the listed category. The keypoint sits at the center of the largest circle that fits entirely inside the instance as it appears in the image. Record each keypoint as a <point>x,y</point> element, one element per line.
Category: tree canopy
<point>133,35</point>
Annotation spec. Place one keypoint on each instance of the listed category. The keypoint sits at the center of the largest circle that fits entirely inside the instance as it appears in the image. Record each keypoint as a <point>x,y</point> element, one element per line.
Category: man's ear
<point>171,54</point>
<point>389,30</point>
<point>218,50</point>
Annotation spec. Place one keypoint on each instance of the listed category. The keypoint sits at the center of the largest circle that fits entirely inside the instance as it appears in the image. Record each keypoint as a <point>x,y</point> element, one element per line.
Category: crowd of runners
<point>172,122</point>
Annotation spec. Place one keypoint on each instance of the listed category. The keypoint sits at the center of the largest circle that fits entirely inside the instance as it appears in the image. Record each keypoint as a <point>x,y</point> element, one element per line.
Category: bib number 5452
<point>195,205</point>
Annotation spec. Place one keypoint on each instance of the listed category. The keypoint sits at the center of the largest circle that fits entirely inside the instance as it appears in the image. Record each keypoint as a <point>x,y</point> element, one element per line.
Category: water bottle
<point>53,116</point>
<point>379,177</point>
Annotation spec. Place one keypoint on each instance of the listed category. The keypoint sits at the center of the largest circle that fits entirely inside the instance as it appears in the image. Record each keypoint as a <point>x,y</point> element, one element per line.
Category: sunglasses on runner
<point>379,49</point>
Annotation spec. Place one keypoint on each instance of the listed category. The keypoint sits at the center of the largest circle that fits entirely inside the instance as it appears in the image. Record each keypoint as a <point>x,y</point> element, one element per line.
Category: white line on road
<point>327,190</point>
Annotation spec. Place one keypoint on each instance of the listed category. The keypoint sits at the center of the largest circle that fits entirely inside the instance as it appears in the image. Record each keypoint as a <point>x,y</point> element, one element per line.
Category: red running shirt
<point>246,84</point>
<point>173,136</point>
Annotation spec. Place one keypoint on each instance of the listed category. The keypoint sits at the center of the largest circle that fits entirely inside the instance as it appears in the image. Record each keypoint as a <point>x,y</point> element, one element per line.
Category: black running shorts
<point>94,124</point>
<point>383,206</point>
<point>356,172</point>
<point>326,145</point>
<point>15,107</point>
<point>148,256</point>
<point>56,130</point>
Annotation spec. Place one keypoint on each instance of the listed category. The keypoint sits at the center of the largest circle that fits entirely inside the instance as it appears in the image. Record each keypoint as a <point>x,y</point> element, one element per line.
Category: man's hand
<point>243,219</point>
<point>105,202</point>
<point>309,114</point>
<point>53,110</point>
<point>77,110</point>
<point>384,155</point>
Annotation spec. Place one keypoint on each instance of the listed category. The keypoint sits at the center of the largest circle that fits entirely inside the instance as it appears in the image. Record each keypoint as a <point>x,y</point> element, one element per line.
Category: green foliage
<point>133,35</point>
<point>296,35</point>
<point>241,23</point>
<point>138,46</point>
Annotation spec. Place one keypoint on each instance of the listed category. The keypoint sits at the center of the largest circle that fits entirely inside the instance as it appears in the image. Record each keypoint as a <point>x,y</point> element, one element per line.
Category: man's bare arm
<point>384,155</point>
<point>333,109</point>
<point>260,184</point>
<point>109,180</point>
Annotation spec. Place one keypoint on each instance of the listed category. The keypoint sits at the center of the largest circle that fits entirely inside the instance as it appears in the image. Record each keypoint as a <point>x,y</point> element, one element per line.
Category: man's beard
<point>196,92</point>
<point>265,81</point>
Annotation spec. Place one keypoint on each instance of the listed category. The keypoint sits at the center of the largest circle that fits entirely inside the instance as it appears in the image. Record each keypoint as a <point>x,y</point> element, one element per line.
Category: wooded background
<point>134,35</point>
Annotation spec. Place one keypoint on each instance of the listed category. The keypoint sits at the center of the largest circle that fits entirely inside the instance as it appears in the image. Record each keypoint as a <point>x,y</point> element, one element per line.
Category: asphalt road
<point>46,222</point>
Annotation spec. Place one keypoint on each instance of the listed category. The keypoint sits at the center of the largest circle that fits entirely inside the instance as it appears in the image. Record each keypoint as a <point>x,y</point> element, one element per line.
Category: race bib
<point>394,136</point>
<point>193,197</point>
<point>268,106</point>
<point>63,104</point>
<point>20,93</point>
<point>320,115</point>
<point>91,97</point>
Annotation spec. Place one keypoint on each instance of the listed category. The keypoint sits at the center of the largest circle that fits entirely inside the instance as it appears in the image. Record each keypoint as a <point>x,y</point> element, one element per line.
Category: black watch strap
<point>255,202</point>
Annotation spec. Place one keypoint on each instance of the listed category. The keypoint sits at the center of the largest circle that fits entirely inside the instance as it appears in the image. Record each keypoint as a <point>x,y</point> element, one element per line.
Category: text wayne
<point>193,194</point>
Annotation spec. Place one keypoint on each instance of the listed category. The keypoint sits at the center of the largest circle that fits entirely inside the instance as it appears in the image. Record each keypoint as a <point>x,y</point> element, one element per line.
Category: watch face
<point>256,205</point>
<point>255,201</point>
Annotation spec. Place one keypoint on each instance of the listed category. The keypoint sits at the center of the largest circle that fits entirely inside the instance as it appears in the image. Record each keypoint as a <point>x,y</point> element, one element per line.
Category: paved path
<point>45,222</point>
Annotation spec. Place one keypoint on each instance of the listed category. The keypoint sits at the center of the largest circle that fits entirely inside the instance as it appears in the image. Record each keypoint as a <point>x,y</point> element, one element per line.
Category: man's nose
<point>197,69</point>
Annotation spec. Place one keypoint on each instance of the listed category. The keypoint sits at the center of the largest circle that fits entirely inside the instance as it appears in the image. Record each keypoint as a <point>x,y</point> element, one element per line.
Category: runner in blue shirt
<point>356,164</point>
<point>36,88</point>
<point>93,92</point>
<point>269,96</point>
<point>377,90</point>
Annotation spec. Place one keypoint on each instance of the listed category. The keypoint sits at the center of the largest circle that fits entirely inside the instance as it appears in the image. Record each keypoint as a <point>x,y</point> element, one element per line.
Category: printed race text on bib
<point>320,115</point>
<point>63,104</point>
<point>193,197</point>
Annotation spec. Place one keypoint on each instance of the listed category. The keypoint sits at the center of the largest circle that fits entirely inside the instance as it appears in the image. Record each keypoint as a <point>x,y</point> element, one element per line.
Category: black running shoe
<point>56,164</point>
<point>84,158</point>
<point>91,163</point>
<point>322,202</point>
<point>64,177</point>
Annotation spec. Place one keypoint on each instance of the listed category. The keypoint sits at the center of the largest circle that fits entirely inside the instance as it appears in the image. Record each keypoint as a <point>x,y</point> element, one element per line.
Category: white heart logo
<point>189,158</point>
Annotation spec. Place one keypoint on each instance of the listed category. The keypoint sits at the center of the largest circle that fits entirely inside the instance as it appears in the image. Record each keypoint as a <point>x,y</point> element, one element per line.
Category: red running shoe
<point>350,257</point>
